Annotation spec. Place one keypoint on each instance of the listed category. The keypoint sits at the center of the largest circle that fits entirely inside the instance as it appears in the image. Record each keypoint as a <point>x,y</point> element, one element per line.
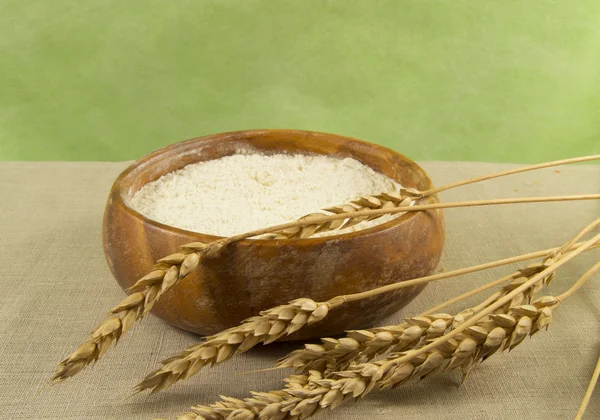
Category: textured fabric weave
<point>56,286</point>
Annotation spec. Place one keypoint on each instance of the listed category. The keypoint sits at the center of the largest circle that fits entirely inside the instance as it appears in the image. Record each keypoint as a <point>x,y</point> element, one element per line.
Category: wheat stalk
<point>596,373</point>
<point>511,172</point>
<point>589,391</point>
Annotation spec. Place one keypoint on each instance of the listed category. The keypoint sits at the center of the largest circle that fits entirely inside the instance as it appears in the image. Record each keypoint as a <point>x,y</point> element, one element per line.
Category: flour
<point>244,192</point>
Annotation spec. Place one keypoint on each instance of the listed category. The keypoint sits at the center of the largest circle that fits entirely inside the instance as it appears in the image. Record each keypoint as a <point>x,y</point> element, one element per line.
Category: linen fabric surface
<point>56,287</point>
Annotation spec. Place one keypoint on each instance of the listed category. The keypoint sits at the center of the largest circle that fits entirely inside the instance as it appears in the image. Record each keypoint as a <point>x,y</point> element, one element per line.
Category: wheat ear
<point>265,328</point>
<point>145,292</point>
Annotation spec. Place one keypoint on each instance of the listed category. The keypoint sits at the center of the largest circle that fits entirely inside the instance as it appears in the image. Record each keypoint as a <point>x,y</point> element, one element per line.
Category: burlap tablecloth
<point>55,286</point>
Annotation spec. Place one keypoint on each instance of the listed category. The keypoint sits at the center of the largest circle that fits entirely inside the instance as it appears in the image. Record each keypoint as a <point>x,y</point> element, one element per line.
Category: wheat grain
<point>382,201</point>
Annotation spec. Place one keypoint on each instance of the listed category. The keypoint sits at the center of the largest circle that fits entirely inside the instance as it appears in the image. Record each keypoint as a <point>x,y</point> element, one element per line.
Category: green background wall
<point>446,80</point>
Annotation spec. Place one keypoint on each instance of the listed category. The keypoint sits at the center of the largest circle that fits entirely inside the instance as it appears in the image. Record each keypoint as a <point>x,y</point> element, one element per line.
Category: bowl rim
<point>118,192</point>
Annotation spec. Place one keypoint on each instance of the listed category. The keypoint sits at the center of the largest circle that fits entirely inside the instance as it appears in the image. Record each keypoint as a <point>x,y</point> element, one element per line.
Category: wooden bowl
<point>253,275</point>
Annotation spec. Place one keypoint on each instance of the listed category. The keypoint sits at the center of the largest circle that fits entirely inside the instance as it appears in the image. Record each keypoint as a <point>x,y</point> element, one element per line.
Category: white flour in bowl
<point>244,192</point>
